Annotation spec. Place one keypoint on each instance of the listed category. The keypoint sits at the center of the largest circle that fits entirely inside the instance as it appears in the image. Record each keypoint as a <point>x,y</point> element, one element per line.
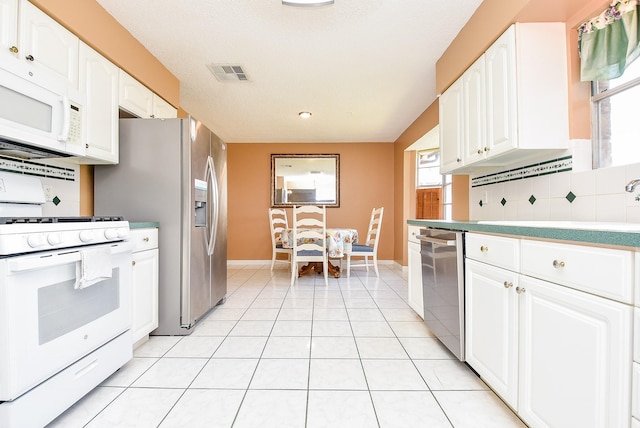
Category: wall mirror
<point>305,180</point>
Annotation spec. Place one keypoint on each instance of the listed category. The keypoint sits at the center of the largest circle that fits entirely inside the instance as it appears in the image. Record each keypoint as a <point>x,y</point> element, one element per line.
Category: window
<point>428,177</point>
<point>615,104</point>
<point>428,173</point>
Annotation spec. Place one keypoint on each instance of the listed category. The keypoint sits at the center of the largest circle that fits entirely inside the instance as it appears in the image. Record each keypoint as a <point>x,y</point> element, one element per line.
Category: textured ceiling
<point>364,68</point>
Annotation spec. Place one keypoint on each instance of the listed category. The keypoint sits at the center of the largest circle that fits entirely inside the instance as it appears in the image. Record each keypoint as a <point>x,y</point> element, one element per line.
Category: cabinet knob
<point>484,249</point>
<point>133,263</point>
<point>558,264</point>
<point>13,49</point>
<point>145,239</point>
<point>508,284</point>
<point>486,149</point>
<point>458,160</point>
<point>520,290</point>
<point>479,151</point>
<point>29,58</point>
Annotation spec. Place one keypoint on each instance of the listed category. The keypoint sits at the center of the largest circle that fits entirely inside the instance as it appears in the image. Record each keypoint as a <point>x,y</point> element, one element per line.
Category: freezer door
<point>219,243</point>
<point>196,299</point>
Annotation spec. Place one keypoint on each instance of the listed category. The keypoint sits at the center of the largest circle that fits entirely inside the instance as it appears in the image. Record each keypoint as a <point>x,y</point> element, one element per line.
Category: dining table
<point>339,243</point>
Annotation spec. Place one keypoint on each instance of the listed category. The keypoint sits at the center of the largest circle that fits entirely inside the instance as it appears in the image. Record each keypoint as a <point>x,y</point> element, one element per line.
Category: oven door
<point>46,324</point>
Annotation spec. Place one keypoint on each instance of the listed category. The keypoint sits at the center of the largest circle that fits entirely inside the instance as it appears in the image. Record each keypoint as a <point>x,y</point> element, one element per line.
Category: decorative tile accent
<point>570,197</point>
<point>56,201</point>
<point>532,199</point>
<point>28,167</point>
<point>503,202</point>
<point>534,170</point>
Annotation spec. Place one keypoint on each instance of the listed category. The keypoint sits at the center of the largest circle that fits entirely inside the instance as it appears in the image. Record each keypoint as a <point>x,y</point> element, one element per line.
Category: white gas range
<point>65,304</point>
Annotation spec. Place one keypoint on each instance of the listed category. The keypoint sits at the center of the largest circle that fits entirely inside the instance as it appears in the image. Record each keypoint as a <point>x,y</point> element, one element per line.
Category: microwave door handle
<point>66,119</point>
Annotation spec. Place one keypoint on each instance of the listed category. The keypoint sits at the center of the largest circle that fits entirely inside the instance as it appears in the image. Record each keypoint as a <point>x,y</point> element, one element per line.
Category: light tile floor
<point>352,354</point>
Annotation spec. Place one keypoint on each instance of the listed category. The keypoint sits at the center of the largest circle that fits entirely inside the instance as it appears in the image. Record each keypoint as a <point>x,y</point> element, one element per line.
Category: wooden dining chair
<point>370,247</point>
<point>278,223</point>
<point>309,239</point>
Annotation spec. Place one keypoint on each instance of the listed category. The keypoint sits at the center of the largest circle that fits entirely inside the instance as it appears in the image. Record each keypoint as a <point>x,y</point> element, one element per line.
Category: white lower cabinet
<point>558,356</point>
<point>575,357</point>
<point>414,277</point>
<point>145,282</point>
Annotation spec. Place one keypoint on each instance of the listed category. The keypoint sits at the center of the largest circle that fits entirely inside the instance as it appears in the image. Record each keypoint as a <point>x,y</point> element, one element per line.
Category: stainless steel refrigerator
<point>173,171</point>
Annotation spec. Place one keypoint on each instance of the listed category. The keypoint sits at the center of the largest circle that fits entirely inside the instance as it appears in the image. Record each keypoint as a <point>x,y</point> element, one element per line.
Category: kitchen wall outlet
<point>48,193</point>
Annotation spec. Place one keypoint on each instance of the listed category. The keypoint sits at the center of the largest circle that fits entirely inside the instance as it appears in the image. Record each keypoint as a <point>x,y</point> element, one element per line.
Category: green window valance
<point>609,42</point>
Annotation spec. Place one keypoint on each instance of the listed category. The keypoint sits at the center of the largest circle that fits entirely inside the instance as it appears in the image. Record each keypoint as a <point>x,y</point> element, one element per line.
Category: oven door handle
<point>35,262</point>
<point>431,240</point>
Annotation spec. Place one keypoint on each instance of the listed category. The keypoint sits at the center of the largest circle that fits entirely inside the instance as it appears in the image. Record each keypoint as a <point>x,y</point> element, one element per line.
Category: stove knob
<point>54,238</point>
<point>36,241</point>
<point>86,235</point>
<point>110,234</point>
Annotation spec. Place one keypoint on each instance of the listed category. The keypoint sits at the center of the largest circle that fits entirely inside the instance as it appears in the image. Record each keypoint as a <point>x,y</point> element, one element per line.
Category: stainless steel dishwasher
<point>442,254</point>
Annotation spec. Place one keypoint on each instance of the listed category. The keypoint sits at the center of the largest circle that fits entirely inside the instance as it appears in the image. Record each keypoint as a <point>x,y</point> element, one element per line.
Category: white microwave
<point>36,122</point>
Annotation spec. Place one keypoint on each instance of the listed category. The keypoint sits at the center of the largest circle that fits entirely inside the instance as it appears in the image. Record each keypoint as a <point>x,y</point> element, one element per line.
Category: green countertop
<point>606,237</point>
<point>143,224</point>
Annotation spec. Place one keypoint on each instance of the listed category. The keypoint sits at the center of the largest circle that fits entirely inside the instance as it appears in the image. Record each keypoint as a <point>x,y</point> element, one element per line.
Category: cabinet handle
<point>558,264</point>
<point>520,290</point>
<point>133,263</point>
<point>486,149</point>
<point>145,239</point>
<point>484,249</point>
<point>29,58</point>
<point>479,151</point>
<point>13,49</point>
<point>508,284</point>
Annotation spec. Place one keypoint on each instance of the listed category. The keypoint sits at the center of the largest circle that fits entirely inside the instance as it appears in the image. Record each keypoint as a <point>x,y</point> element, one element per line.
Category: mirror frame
<point>336,157</point>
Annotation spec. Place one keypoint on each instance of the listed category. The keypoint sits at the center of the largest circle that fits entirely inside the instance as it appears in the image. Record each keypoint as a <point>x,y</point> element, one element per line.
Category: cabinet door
<point>414,279</point>
<point>8,28</point>
<point>99,81</point>
<point>474,113</point>
<point>145,293</point>
<point>50,48</point>
<point>575,358</point>
<point>491,323</point>
<point>501,105</point>
<point>134,97</point>
<point>162,109</point>
<point>451,127</point>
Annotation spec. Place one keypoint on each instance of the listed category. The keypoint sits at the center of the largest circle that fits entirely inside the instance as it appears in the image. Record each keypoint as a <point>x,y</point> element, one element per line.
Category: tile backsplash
<point>561,188</point>
<point>60,180</point>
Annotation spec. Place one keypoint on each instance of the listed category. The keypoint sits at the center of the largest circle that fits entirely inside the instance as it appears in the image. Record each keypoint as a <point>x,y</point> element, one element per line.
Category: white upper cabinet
<point>451,127</point>
<point>162,109</point>
<point>137,99</point>
<point>515,100</point>
<point>50,50</point>
<point>8,28</point>
<point>99,81</point>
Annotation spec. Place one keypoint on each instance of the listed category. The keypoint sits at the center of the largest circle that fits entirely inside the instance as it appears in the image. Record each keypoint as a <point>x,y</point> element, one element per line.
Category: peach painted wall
<point>366,181</point>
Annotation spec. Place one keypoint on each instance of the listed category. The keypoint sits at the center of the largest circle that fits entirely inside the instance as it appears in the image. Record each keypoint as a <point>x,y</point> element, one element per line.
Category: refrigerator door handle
<point>212,205</point>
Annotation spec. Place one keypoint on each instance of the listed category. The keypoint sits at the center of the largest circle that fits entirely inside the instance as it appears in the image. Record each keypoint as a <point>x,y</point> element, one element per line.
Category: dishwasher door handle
<point>431,240</point>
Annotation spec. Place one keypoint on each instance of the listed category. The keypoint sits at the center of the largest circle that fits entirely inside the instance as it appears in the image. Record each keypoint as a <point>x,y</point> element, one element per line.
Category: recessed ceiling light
<point>307,2</point>
<point>305,114</point>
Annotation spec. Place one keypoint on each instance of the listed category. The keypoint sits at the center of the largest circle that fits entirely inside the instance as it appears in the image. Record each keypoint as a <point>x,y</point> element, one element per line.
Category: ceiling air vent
<point>228,72</point>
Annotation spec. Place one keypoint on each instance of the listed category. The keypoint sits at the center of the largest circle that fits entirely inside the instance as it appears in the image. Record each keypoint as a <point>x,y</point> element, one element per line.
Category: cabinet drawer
<point>413,232</point>
<point>144,239</point>
<point>601,271</point>
<point>494,250</point>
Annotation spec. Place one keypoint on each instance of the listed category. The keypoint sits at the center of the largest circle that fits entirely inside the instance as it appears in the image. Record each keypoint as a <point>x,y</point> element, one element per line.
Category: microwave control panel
<point>75,125</point>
